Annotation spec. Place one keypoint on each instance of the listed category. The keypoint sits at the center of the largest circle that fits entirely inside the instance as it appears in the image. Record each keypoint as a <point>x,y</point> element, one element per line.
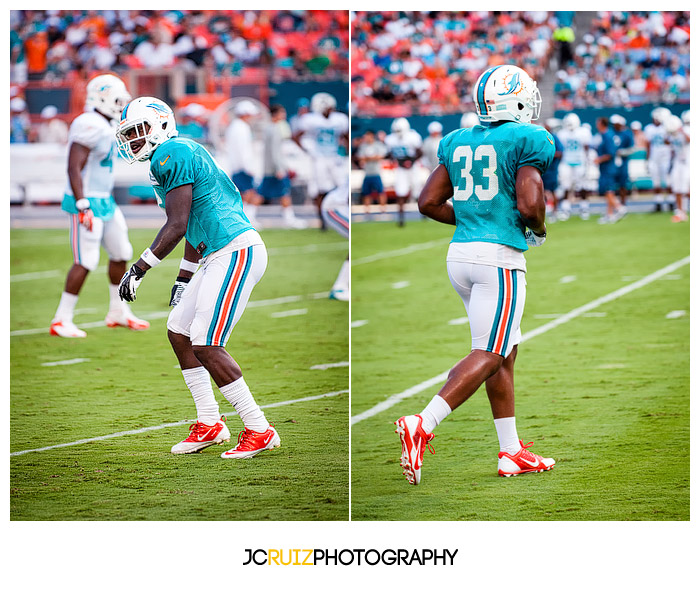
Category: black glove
<point>130,282</point>
<point>177,290</point>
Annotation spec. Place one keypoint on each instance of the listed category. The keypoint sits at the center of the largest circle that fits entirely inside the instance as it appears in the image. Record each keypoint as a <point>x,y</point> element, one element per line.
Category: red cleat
<point>414,440</point>
<point>252,442</point>
<point>202,436</point>
<point>522,462</point>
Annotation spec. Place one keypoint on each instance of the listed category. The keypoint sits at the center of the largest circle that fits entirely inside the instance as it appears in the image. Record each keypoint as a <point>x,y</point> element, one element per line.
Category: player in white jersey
<point>95,218</point>
<point>679,140</point>
<point>658,155</point>
<point>327,130</point>
<point>336,213</point>
<point>239,149</point>
<point>405,148</point>
<point>574,161</point>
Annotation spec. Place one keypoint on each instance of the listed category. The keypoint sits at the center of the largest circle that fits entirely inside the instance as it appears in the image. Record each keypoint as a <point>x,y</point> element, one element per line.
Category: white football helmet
<point>322,102</point>
<point>685,117</point>
<point>108,95</point>
<point>146,122</point>
<point>660,114</point>
<point>507,93</point>
<point>672,124</point>
<point>469,120</point>
<point>400,125</point>
<point>571,121</point>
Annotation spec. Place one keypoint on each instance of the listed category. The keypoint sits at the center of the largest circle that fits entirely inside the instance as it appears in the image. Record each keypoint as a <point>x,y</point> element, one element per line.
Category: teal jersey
<point>482,162</point>
<point>217,215</point>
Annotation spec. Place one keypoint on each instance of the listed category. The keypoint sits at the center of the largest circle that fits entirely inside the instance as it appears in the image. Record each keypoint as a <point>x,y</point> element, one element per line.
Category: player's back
<point>575,144</point>
<point>216,215</point>
<point>403,145</point>
<point>94,132</point>
<point>325,132</point>
<point>482,163</point>
<point>656,136</point>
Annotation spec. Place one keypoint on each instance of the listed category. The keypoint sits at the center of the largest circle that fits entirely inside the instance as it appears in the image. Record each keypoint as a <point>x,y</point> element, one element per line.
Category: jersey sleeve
<point>443,149</point>
<point>537,149</point>
<point>173,168</point>
<point>86,132</point>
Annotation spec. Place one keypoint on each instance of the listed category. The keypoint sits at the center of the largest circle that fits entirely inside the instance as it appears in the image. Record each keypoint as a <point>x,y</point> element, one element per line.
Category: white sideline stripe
<point>331,365</point>
<point>172,262</point>
<point>458,322</point>
<point>64,362</point>
<point>401,252</point>
<point>29,276</point>
<point>176,424</point>
<point>289,313</point>
<point>156,315</point>
<point>676,313</point>
<point>574,313</point>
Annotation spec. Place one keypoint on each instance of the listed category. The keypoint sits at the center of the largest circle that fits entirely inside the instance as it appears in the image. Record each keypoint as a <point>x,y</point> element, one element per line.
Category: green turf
<point>131,382</point>
<point>606,395</point>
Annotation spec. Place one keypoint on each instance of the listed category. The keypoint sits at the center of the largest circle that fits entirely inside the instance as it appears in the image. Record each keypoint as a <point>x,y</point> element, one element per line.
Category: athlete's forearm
<point>529,192</point>
<point>433,199</point>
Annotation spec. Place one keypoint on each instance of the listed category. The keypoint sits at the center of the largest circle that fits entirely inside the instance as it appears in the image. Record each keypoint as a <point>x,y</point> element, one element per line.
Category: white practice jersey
<point>681,145</point>
<point>656,137</point>
<point>93,131</point>
<point>324,132</point>
<point>403,145</point>
<point>575,145</point>
<point>239,146</point>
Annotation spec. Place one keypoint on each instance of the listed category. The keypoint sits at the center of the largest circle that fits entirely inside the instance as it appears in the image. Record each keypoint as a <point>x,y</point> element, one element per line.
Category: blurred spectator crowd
<point>627,59</point>
<point>426,62</point>
<point>60,45</point>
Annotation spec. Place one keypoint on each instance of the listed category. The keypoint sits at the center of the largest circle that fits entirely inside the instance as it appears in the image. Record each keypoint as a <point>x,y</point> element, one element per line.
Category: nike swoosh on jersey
<point>165,161</point>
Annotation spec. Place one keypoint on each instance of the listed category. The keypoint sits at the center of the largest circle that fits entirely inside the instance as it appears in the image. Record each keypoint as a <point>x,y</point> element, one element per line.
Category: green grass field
<point>131,382</point>
<point>606,394</point>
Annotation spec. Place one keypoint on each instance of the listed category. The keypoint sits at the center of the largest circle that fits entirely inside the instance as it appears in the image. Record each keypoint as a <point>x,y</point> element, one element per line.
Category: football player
<point>224,259</point>
<point>658,155</point>
<point>607,184</point>
<point>575,139</point>
<point>624,141</point>
<point>493,174</point>
<point>336,214</point>
<point>405,148</point>
<point>239,148</point>
<point>678,131</point>
<point>95,218</point>
<point>327,130</point>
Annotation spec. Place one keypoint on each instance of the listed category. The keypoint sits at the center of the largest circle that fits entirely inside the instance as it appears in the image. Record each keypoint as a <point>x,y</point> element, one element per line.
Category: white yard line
<point>172,262</point>
<point>416,247</point>
<point>155,315</point>
<point>563,319</point>
<point>64,362</point>
<point>166,425</point>
<point>325,366</point>
<point>289,313</point>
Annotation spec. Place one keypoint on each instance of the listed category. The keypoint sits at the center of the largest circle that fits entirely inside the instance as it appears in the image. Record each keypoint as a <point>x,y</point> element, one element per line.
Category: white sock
<point>343,281</point>
<point>66,307</point>
<point>199,383</point>
<point>239,395</point>
<point>685,201</point>
<point>507,435</point>
<point>288,213</point>
<point>115,303</point>
<point>250,210</point>
<point>435,413</point>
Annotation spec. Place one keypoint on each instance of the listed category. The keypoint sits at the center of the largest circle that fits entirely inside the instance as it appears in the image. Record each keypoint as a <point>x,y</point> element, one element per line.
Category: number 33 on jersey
<point>482,163</point>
